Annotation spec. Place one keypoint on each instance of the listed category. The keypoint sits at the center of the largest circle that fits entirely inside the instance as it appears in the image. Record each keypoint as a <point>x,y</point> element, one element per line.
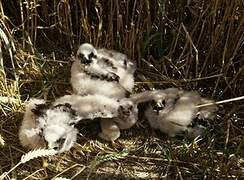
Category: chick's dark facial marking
<point>158,106</point>
<point>60,142</point>
<point>83,59</point>
<point>125,63</point>
<point>92,55</point>
<point>39,109</point>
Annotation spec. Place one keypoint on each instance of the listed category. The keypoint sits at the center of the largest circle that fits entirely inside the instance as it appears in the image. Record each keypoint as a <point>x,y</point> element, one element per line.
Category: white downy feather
<point>103,64</point>
<point>91,106</point>
<point>177,112</point>
<point>114,114</point>
<point>29,133</point>
<point>56,124</point>
<point>47,127</point>
<point>107,73</point>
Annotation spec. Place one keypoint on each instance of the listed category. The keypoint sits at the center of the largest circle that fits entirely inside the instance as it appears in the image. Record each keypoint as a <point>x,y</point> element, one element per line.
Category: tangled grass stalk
<point>29,156</point>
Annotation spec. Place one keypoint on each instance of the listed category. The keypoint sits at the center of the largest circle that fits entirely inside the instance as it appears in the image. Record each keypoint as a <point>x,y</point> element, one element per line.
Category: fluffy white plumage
<point>101,71</point>
<point>91,106</point>
<point>56,124</point>
<point>102,79</point>
<point>178,113</point>
<point>52,125</point>
<point>29,133</point>
<point>107,73</point>
<point>45,126</point>
<point>127,116</point>
<point>173,111</point>
<point>125,67</point>
<point>173,118</point>
<point>114,114</point>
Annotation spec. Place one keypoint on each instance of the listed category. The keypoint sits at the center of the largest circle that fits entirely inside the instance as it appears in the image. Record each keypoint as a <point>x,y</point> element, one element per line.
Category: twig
<point>222,102</point>
<point>179,81</point>
<point>2,142</point>
<point>194,47</point>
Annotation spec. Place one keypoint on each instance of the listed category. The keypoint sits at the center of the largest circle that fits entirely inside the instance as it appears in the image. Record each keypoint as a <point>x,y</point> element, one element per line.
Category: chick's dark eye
<point>91,55</point>
<point>61,141</point>
<point>121,108</point>
<point>106,60</point>
<point>158,108</point>
<point>125,62</point>
<point>39,109</point>
<point>72,123</point>
<point>83,59</point>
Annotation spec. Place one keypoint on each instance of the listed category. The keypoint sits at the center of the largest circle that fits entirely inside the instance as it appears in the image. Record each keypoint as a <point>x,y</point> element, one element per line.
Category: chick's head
<point>86,53</point>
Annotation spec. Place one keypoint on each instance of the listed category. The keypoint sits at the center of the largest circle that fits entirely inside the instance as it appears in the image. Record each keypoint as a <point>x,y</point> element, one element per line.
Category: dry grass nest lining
<point>194,45</point>
<point>138,153</point>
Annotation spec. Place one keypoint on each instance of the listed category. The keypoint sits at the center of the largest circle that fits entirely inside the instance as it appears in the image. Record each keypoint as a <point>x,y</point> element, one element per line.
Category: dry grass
<point>188,44</point>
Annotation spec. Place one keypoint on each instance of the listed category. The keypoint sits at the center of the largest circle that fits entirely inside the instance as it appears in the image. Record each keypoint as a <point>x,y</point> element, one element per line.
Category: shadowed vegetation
<point>189,44</point>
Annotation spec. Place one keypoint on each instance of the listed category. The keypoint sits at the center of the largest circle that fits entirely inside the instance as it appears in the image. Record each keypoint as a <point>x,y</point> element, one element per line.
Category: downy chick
<point>125,67</point>
<point>44,126</point>
<point>128,112</point>
<point>57,126</point>
<point>102,71</point>
<point>128,116</point>
<point>178,113</point>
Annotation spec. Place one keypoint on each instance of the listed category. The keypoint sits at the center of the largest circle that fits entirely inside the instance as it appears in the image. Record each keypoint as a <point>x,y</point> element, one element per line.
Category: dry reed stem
<point>2,142</point>
<point>222,102</point>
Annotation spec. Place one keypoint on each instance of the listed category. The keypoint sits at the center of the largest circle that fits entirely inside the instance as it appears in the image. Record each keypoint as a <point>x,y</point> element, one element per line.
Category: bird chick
<point>176,111</point>
<point>101,71</point>
<point>107,73</point>
<point>176,119</point>
<point>48,126</point>
<point>128,112</point>
<point>57,126</point>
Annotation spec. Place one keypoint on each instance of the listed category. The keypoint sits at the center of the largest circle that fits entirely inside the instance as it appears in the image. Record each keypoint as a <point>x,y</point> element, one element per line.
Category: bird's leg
<point>110,130</point>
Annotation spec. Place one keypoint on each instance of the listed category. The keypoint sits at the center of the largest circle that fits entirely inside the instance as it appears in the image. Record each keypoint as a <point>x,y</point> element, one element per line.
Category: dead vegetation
<point>188,44</point>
